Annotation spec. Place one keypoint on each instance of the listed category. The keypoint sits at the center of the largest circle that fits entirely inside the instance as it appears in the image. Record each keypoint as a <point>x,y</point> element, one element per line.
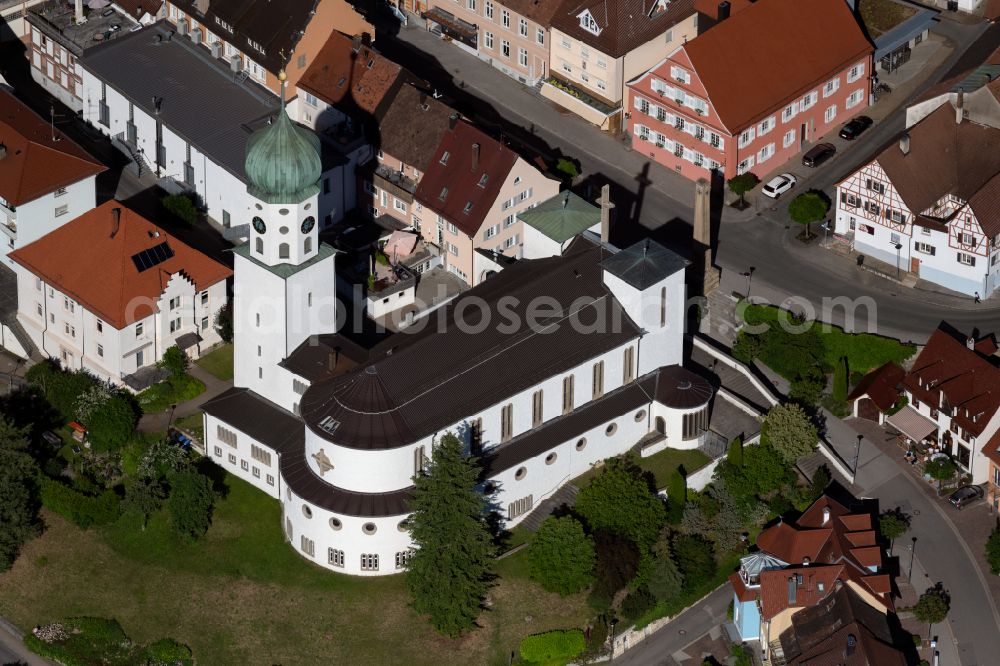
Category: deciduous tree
<point>449,572</point>
<point>993,550</point>
<point>892,525</point>
<point>790,431</point>
<point>932,606</point>
<point>562,556</point>
<point>174,361</point>
<point>741,184</point>
<point>190,503</point>
<point>807,208</point>
<point>620,500</point>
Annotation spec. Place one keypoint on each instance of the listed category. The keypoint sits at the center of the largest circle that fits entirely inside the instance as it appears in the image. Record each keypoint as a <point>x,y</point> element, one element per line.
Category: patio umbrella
<point>98,4</point>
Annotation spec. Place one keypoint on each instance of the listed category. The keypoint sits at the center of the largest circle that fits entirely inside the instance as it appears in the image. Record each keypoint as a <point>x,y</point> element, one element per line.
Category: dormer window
<point>588,22</point>
<point>444,157</point>
<point>484,179</point>
<point>444,194</point>
<point>658,8</point>
<point>468,207</point>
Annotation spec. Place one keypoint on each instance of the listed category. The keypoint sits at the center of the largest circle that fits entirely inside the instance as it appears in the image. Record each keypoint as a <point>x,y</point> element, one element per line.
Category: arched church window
<point>307,245</point>
<point>260,246</point>
<point>283,251</point>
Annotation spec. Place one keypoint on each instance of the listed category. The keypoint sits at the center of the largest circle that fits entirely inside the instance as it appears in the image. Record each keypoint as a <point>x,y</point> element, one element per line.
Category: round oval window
<point>611,429</point>
<point>549,459</point>
<point>369,528</point>
<point>307,206</point>
<point>403,526</point>
<point>581,444</point>
<point>520,473</point>
<point>640,415</point>
<point>258,207</point>
<point>283,230</point>
<point>283,211</point>
<point>306,511</point>
<point>335,524</point>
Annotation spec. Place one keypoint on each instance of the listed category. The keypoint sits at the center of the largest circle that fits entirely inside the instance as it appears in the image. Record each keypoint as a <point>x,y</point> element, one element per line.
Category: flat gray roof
<point>201,100</point>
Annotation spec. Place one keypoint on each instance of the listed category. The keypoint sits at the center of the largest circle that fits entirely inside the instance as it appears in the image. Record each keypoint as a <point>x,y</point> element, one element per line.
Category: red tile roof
<point>338,70</point>
<point>743,593</point>
<point>948,373</point>
<point>817,582</point>
<point>623,24</point>
<point>91,262</point>
<point>453,189</point>
<point>807,41</point>
<point>35,164</point>
<point>992,448</point>
<point>710,8</point>
<point>881,385</point>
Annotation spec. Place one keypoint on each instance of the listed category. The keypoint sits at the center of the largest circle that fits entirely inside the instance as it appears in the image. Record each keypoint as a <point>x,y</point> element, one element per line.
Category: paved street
<point>651,197</point>
<point>12,650</point>
<point>683,630</point>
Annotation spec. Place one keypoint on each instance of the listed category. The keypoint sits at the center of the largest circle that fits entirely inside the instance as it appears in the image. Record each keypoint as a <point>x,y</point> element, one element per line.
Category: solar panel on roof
<point>153,256</point>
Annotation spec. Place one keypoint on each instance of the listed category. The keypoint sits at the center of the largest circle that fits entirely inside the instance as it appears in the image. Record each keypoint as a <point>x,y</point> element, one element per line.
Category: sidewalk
<point>947,645</point>
<point>12,649</point>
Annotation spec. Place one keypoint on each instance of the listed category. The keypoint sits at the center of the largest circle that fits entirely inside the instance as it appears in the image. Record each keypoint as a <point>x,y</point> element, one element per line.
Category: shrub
<point>224,322</point>
<point>175,361</point>
<point>695,558</point>
<point>746,347</point>
<point>85,641</point>
<point>734,456</point>
<point>61,388</point>
<point>840,375</point>
<point>552,646</point>
<point>80,509</point>
<point>676,496</point>
<point>562,556</point>
<point>597,635</point>
<point>993,550</point>
<point>742,655</point>
<point>111,425</point>
<point>169,652</point>
<point>637,604</point>
<point>567,167</point>
<point>181,206</point>
<point>790,431</point>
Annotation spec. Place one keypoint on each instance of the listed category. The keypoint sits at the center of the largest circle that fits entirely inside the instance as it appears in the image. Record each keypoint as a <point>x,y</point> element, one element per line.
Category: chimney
<point>959,104</point>
<point>723,11</point>
<point>78,16</point>
<point>566,199</point>
<point>116,220</point>
<point>970,342</point>
<point>792,589</point>
<point>806,560</point>
<point>852,642</point>
<point>452,120</point>
<point>606,206</point>
<point>356,43</point>
<point>475,157</point>
<point>904,143</point>
<point>826,515</point>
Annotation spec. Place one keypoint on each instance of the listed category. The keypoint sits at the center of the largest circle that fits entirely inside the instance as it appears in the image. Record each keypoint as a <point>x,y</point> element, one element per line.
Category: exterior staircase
<point>138,161</point>
<point>565,496</point>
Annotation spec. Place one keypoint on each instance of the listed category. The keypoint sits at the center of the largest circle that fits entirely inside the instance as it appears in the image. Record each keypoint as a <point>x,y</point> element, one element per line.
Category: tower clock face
<point>258,225</point>
<point>308,224</point>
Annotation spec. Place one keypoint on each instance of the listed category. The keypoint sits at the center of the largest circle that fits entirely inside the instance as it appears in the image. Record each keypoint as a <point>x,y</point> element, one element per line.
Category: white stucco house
<point>926,205</point>
<point>181,113</point>
<point>45,178</point>
<point>110,291</point>
<point>579,361</point>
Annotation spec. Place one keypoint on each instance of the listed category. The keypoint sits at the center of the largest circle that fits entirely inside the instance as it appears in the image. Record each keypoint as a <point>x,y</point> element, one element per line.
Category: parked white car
<point>779,185</point>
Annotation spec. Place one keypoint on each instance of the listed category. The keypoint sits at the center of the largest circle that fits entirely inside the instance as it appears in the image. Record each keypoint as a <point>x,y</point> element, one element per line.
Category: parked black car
<point>966,495</point>
<point>855,127</point>
<point>818,154</point>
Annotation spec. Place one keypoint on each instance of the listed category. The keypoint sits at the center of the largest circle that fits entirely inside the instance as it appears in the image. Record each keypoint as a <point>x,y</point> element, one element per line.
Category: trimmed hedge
<point>553,647</point>
<point>82,510</point>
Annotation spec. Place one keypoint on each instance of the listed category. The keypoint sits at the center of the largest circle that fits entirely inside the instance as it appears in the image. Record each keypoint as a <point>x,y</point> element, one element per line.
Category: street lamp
<point>614,622</point>
<point>913,548</point>
<point>899,246</point>
<point>749,276</point>
<point>857,458</point>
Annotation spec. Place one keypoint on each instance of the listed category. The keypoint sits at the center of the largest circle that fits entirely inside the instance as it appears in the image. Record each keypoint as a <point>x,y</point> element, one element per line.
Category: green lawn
<point>663,464</point>
<point>219,362</point>
<point>864,351</point>
<point>660,464</point>
<point>241,595</point>
<point>194,424</point>
<point>159,397</point>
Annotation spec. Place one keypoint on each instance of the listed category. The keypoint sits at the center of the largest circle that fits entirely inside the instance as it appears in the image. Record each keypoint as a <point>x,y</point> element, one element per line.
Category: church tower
<point>284,277</point>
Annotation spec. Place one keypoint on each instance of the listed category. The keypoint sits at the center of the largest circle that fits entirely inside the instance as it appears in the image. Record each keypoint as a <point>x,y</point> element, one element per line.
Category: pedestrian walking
<point>978,300</point>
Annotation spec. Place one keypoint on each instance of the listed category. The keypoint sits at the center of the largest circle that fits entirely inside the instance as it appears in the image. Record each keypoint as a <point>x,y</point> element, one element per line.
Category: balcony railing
<point>394,181</point>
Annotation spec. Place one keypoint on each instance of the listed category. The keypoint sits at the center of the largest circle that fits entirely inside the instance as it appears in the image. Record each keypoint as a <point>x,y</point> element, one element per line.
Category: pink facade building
<point>754,90</point>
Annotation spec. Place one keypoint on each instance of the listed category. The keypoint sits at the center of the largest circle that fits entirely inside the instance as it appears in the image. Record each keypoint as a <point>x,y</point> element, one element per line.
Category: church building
<point>543,371</point>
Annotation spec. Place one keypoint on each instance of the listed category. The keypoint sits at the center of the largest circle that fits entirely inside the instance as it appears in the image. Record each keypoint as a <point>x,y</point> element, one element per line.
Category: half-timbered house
<point>927,204</point>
